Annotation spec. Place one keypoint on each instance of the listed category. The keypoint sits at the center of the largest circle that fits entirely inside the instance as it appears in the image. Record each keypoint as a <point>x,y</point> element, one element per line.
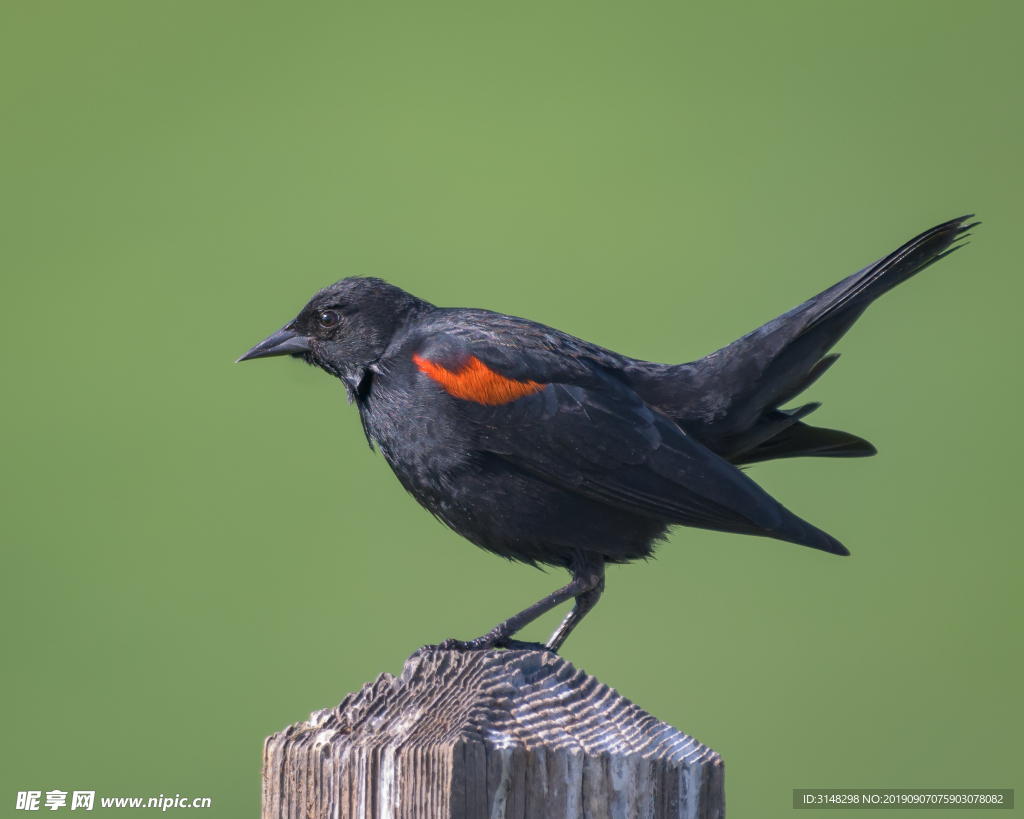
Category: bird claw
<point>452,644</point>
<point>479,644</point>
<point>487,642</point>
<point>521,645</point>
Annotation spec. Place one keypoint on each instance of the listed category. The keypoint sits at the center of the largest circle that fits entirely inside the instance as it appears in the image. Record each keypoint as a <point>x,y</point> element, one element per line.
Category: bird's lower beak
<point>284,342</point>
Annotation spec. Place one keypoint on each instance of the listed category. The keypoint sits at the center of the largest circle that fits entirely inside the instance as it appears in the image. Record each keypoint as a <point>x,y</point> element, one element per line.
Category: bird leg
<point>585,580</point>
<point>584,603</point>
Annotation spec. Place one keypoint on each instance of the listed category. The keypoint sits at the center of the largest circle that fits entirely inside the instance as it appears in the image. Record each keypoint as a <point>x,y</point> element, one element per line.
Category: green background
<point>196,554</point>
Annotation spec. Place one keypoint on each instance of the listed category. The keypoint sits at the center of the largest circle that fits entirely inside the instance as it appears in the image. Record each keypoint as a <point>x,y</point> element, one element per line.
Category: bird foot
<point>479,644</point>
<point>489,641</point>
<point>522,645</point>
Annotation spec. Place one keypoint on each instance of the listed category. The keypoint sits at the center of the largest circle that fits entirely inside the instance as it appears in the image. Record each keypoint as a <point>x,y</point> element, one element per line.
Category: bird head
<point>344,329</point>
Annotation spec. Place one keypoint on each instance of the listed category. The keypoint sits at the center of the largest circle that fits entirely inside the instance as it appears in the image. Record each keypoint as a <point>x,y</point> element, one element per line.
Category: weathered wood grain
<point>488,735</point>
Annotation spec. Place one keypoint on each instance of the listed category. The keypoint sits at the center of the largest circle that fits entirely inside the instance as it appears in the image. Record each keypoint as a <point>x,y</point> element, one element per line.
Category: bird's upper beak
<point>284,342</point>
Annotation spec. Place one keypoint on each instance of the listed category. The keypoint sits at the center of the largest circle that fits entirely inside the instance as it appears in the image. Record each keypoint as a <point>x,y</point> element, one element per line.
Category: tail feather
<point>816,371</point>
<point>803,440</point>
<point>731,398</point>
<point>875,280</point>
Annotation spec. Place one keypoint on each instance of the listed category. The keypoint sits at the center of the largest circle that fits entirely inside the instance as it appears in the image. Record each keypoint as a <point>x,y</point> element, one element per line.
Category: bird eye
<point>328,318</point>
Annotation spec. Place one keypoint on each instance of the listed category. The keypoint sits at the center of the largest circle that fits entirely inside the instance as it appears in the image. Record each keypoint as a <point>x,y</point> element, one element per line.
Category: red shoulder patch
<point>474,381</point>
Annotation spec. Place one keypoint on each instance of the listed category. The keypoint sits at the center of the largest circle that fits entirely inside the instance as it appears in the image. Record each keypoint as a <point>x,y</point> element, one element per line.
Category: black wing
<point>597,437</point>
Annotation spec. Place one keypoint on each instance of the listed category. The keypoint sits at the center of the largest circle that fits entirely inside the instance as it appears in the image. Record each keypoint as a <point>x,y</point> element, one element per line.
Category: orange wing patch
<point>474,381</point>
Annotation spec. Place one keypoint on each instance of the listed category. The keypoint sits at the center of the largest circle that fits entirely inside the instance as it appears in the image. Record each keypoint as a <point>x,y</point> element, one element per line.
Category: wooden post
<point>486,735</point>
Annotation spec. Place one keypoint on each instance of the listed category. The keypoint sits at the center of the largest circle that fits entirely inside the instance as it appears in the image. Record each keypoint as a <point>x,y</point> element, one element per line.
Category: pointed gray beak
<point>284,342</point>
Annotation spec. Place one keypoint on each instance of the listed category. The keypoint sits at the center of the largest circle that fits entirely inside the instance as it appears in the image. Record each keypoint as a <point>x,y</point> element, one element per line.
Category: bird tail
<point>731,399</point>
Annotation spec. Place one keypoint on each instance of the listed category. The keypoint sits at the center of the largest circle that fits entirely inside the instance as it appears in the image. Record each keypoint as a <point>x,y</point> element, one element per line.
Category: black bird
<point>543,448</point>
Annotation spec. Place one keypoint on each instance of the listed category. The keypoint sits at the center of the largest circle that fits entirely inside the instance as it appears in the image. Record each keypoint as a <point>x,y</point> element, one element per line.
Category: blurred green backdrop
<point>197,554</point>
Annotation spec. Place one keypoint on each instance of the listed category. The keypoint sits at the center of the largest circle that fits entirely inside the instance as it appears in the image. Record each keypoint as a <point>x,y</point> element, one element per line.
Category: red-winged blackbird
<point>543,448</point>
